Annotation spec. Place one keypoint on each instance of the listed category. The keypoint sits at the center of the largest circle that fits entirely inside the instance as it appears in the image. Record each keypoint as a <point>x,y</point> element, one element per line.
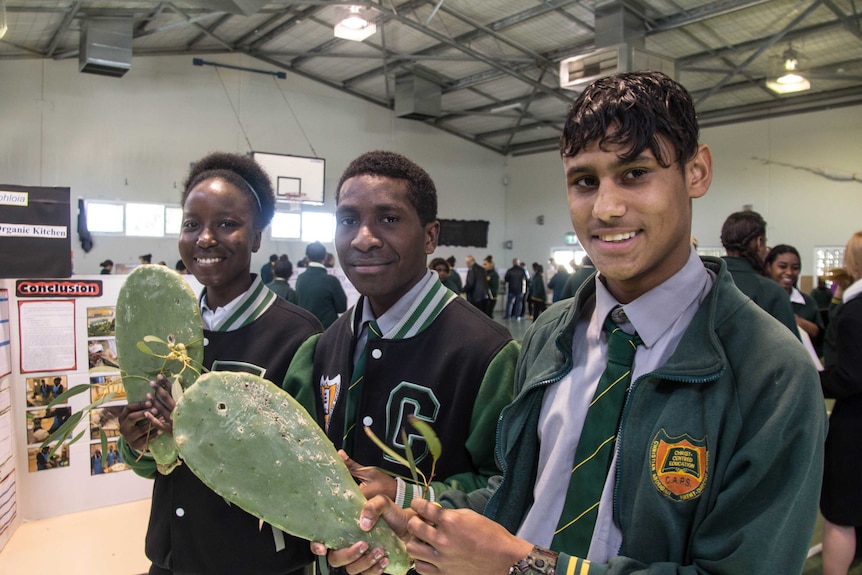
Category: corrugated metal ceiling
<point>489,54</point>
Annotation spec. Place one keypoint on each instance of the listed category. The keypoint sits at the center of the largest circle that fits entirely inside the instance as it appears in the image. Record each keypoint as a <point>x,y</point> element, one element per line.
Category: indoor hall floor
<point>517,327</point>
<point>110,541</point>
<point>104,541</point>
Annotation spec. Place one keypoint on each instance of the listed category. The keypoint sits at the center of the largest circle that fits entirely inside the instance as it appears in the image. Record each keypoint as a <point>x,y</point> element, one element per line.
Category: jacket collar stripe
<point>425,309</point>
<point>257,300</point>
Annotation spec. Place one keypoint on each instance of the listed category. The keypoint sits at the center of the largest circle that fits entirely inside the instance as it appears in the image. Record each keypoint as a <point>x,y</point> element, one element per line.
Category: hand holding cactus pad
<point>253,444</point>
<point>159,331</point>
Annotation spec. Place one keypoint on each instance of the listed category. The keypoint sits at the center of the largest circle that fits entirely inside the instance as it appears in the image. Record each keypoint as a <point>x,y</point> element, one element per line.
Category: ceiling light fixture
<point>785,76</point>
<point>3,25</point>
<point>355,25</point>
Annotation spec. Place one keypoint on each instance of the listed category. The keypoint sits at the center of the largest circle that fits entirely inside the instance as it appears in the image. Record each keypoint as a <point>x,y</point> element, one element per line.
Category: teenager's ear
<point>432,234</point>
<point>698,172</point>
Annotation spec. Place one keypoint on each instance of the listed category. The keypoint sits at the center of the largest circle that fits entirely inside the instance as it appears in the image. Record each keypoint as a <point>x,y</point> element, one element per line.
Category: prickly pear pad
<point>253,444</point>
<point>155,302</point>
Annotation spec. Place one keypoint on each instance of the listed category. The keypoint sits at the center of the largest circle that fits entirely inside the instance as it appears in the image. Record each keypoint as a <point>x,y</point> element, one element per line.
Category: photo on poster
<point>110,462</point>
<point>106,418</point>
<point>43,390</point>
<point>100,321</point>
<point>102,355</point>
<point>102,385</point>
<point>38,458</point>
<point>43,422</point>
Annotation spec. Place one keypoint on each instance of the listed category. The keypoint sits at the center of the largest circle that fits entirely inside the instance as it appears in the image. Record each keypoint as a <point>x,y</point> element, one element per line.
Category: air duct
<point>106,47</point>
<point>620,40</point>
<point>417,98</point>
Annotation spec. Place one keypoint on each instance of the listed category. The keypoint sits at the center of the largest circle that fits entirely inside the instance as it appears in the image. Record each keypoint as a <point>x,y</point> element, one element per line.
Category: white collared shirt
<point>212,318</point>
<point>393,317</point>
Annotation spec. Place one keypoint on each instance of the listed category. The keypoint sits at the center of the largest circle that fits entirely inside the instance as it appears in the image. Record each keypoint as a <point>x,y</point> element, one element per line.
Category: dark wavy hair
<point>778,250</point>
<point>283,269</point>
<point>738,235</point>
<point>421,192</point>
<point>241,171</point>
<point>633,110</point>
<point>439,262</point>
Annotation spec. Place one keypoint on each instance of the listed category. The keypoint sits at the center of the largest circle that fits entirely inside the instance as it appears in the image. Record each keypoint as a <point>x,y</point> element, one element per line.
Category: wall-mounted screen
<point>294,178</point>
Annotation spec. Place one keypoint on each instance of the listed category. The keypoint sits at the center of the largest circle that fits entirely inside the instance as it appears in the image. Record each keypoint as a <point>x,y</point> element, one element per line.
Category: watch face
<point>538,562</point>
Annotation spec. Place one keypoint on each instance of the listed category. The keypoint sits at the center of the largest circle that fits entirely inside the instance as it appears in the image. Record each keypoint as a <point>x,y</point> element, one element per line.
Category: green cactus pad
<point>253,444</point>
<point>156,302</point>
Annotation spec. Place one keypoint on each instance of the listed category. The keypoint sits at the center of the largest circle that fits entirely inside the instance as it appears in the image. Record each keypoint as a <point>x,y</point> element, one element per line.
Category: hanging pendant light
<point>785,76</point>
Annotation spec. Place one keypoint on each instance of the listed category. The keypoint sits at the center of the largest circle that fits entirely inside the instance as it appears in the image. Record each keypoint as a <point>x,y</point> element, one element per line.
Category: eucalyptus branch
<point>434,446</point>
<point>176,352</point>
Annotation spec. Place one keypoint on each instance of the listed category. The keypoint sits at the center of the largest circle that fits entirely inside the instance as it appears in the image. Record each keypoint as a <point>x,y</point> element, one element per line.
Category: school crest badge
<point>330,388</point>
<point>679,465</point>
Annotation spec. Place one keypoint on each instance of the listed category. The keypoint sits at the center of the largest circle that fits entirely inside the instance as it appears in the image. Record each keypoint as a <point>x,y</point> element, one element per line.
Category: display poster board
<point>464,233</point>
<point>35,232</point>
<point>62,336</point>
<point>294,178</point>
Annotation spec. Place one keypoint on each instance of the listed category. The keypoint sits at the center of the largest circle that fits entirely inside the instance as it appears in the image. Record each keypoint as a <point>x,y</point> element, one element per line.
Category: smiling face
<point>217,239</point>
<point>633,217</point>
<point>785,270</point>
<point>381,243</point>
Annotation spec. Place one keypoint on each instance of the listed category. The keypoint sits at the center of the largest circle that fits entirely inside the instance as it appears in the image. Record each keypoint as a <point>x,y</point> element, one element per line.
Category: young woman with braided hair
<point>743,236</point>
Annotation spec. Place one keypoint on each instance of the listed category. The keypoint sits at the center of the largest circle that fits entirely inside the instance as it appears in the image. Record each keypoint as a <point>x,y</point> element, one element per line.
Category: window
<point>564,257</point>
<point>286,226</point>
<point>159,220</point>
<point>147,220</point>
<point>318,227</point>
<point>105,217</point>
<point>826,258</point>
<point>173,221</point>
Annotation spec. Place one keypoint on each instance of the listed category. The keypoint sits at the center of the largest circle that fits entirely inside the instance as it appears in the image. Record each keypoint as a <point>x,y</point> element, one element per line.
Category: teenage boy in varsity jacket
<point>713,460</point>
<point>410,346</point>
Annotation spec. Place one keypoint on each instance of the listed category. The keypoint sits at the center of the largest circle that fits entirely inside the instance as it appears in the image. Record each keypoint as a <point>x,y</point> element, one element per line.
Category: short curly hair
<point>241,171</point>
<point>634,109</point>
<point>420,187</point>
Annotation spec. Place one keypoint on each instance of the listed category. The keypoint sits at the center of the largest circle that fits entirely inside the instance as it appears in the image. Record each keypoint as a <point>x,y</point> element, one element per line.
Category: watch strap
<point>539,562</point>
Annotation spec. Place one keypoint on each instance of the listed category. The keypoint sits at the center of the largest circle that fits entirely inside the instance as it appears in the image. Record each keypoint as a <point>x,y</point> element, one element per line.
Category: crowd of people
<point>652,420</point>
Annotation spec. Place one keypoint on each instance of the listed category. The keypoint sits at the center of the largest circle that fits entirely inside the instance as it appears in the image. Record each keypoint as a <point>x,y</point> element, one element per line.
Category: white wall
<point>802,208</point>
<point>133,138</point>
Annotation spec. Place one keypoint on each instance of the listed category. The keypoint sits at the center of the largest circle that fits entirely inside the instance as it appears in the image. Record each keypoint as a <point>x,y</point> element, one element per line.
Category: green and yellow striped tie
<point>596,446</point>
